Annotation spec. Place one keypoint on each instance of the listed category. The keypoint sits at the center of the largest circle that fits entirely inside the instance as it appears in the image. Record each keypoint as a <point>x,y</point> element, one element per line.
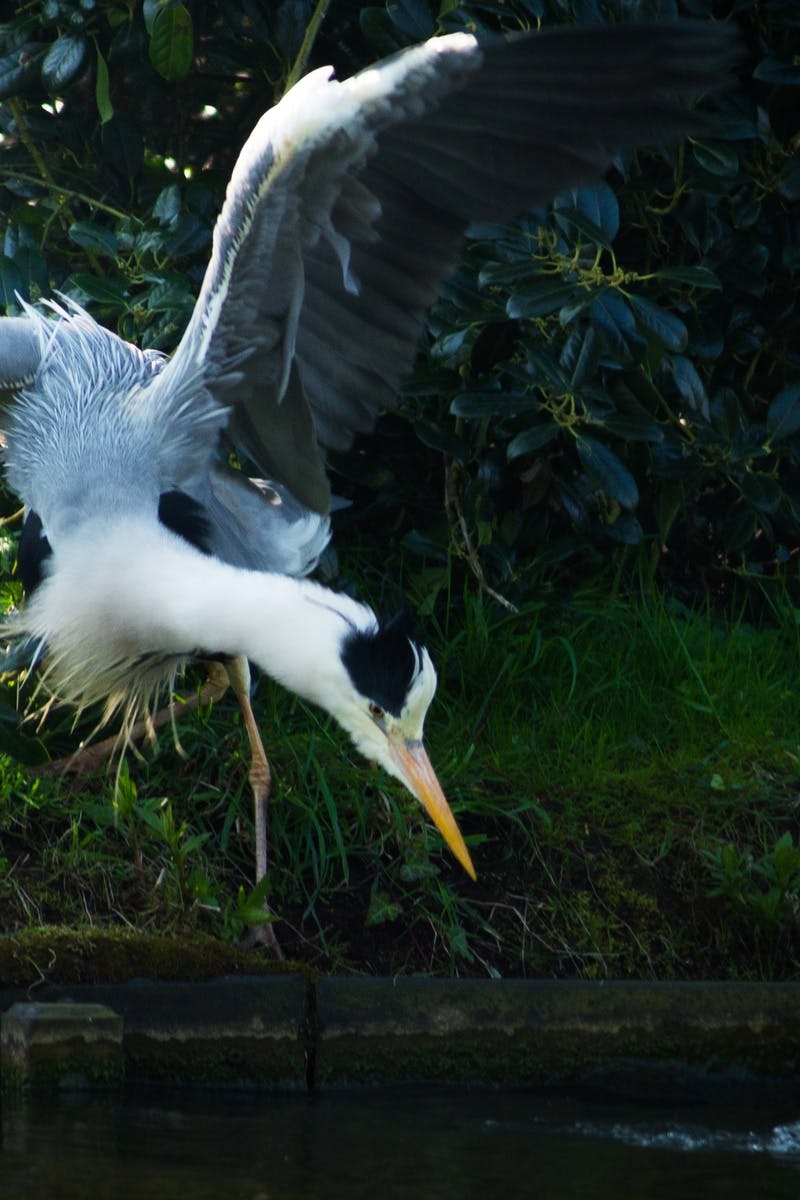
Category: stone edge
<point>286,1032</point>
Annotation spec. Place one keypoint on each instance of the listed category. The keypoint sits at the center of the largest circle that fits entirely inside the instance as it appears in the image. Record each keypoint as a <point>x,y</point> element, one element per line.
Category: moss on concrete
<point>228,1060</point>
<point>51,954</point>
<point>277,1030</point>
<point>60,1045</point>
<point>521,1032</point>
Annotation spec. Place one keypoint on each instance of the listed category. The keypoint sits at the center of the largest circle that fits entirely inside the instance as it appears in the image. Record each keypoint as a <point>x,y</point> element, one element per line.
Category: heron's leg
<point>260,781</point>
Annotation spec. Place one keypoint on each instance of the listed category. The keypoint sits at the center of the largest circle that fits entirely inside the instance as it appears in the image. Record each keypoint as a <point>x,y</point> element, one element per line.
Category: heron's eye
<point>376,712</point>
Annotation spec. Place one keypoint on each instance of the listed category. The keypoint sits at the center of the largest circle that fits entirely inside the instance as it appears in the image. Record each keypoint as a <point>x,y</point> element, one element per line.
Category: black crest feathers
<point>383,662</point>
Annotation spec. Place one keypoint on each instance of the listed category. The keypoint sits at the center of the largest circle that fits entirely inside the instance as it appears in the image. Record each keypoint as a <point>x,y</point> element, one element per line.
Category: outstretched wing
<point>348,204</point>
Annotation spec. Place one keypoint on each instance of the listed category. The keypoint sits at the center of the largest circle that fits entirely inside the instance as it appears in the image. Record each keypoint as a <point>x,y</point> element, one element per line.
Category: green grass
<point>625,771</point>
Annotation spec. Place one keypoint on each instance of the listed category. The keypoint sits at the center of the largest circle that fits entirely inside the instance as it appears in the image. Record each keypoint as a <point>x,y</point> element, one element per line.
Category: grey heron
<point>345,211</point>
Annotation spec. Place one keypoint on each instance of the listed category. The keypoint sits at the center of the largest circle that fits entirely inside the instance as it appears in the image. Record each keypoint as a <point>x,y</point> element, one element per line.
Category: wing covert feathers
<point>348,204</point>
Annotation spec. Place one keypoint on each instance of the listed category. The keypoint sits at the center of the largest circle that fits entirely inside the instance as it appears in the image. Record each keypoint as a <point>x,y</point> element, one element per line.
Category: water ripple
<point>780,1141</point>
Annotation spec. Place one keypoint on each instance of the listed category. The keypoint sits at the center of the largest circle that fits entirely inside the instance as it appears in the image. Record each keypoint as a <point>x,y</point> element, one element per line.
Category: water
<point>387,1144</point>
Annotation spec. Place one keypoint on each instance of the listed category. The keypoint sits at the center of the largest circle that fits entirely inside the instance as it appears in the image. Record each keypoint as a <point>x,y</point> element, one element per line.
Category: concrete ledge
<point>61,1045</point>
<point>544,1032</point>
<point>239,1030</point>
<point>283,1032</point>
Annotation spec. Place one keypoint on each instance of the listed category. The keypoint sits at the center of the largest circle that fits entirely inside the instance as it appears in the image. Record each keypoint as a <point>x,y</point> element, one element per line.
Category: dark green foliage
<point>620,368</point>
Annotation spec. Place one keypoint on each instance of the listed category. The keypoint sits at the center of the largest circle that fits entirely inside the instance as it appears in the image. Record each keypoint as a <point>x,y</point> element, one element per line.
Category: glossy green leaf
<point>593,210</point>
<point>187,235</point>
<point>379,31</point>
<point>291,23</point>
<point>540,298</point>
<point>439,438</point>
<point>699,277</point>
<point>102,91</point>
<point>64,61</point>
<point>168,204</point>
<point>783,414</point>
<point>106,291</point>
<point>19,68</point>
<point>10,281</point>
<point>172,43</point>
<point>775,69</point>
<point>93,237</point>
<point>612,315</point>
<point>719,158</point>
<point>504,274</point>
<point>169,295</point>
<point>413,18</point>
<point>762,491</point>
<point>580,355</point>
<point>669,329</point>
<point>603,465</point>
<point>748,443</point>
<point>574,223</point>
<point>746,210</point>
<point>475,405</point>
<point>32,266</point>
<point>122,145</point>
<point>639,427</point>
<point>451,345</point>
<point>726,413</point>
<point>531,439</point>
<point>542,368</point>
<point>689,383</point>
<point>151,9</point>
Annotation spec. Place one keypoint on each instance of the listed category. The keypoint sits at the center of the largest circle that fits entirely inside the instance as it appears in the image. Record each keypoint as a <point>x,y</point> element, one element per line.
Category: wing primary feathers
<point>349,201</point>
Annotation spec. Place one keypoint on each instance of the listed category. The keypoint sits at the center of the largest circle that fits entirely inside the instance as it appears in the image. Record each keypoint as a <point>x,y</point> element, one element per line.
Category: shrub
<point>618,370</point>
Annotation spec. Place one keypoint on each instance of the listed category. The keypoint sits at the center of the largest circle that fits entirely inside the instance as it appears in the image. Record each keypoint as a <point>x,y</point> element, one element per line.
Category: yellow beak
<point>420,778</point>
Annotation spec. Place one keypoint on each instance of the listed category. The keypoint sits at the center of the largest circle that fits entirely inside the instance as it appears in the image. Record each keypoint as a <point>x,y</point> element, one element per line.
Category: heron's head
<point>389,682</point>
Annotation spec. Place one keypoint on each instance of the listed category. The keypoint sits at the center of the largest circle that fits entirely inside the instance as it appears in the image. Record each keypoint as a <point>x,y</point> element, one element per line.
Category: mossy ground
<point>115,954</point>
<point>624,769</point>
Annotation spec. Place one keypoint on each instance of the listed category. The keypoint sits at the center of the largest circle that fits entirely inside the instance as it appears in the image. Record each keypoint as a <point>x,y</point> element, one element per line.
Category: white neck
<point>122,590</point>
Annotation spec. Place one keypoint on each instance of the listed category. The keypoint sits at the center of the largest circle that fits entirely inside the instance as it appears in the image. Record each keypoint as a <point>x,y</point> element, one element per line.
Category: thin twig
<point>310,36</point>
<point>452,506</point>
<point>65,213</point>
<point>72,193</point>
<point>39,162</point>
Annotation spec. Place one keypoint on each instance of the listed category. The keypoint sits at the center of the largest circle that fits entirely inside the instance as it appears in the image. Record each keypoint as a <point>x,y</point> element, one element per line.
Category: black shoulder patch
<point>32,552</point>
<point>382,663</point>
<point>186,517</point>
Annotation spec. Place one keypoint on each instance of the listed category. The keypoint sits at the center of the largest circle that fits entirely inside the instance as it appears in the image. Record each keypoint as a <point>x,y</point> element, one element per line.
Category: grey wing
<point>256,523</point>
<point>349,201</point>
